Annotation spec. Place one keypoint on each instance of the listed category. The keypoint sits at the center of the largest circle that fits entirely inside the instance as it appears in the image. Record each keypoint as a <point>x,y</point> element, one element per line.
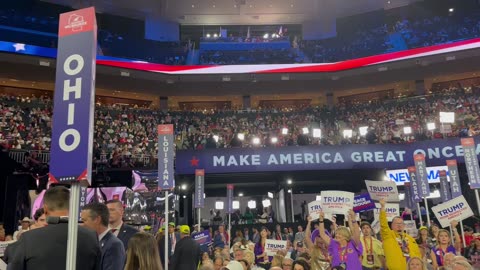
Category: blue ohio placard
<point>74,97</point>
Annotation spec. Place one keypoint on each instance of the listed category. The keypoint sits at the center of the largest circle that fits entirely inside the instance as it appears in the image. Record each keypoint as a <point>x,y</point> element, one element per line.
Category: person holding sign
<point>444,245</point>
<point>373,255</point>
<point>399,247</point>
<point>261,257</point>
<point>346,248</point>
<point>318,251</point>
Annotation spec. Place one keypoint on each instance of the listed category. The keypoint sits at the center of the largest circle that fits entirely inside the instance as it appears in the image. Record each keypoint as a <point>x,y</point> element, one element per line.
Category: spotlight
<point>240,194</point>
<point>265,36</point>
<point>447,117</point>
<point>305,130</point>
<point>274,140</point>
<point>252,204</point>
<point>270,195</point>
<point>363,131</point>
<point>347,133</point>
<point>256,141</point>
<point>289,181</point>
<point>215,35</point>
<point>183,186</point>
<point>235,205</point>
<point>219,205</point>
<point>215,137</point>
<point>266,203</point>
<point>451,10</point>
<point>208,35</point>
<point>431,126</point>
<point>241,136</point>
<point>317,133</point>
<point>407,130</point>
<point>284,131</point>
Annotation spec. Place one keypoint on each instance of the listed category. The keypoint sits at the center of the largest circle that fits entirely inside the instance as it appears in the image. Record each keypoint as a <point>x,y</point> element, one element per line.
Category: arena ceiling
<point>228,12</point>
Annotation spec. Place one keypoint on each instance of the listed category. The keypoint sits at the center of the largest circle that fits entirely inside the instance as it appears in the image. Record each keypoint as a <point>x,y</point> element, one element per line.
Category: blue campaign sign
<point>203,239</point>
<point>363,203</point>
<point>314,157</point>
<point>74,97</point>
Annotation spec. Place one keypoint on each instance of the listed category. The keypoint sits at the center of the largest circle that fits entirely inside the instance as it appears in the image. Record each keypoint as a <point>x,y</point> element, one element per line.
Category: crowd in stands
<point>428,31</point>
<point>126,136</point>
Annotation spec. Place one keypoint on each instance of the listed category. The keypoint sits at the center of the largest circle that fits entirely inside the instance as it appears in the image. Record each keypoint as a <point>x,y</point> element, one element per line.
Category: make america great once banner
<point>318,157</point>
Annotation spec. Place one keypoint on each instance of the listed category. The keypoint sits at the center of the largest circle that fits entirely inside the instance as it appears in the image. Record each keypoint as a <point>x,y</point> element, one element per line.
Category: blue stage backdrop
<point>296,158</point>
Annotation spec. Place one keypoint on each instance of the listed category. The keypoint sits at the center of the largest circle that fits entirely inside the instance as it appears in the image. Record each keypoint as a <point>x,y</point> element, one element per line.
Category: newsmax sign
<point>401,176</point>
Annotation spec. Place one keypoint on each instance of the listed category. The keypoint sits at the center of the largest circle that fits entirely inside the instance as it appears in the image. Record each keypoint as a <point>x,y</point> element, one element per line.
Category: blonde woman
<point>277,260</point>
<point>416,263</point>
<point>346,248</point>
<point>142,253</point>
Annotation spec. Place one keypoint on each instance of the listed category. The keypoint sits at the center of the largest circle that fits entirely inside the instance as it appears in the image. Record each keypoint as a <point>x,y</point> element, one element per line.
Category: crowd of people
<point>106,242</point>
<point>126,136</point>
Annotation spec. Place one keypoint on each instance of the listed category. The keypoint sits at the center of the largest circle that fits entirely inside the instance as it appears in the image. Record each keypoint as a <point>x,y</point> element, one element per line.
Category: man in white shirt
<point>95,217</point>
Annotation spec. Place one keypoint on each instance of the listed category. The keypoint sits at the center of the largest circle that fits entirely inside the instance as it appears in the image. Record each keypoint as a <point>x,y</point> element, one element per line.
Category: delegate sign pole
<point>199,191</point>
<point>422,181</point>
<point>166,173</point>
<point>229,210</point>
<point>74,101</point>
<point>471,164</point>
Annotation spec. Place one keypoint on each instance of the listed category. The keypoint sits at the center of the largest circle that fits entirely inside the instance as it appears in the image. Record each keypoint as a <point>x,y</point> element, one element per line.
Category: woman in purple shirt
<point>261,258</point>
<point>444,245</point>
<point>345,249</point>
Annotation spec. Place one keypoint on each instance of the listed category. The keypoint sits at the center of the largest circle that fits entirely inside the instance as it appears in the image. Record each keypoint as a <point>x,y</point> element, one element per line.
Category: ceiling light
<point>219,205</point>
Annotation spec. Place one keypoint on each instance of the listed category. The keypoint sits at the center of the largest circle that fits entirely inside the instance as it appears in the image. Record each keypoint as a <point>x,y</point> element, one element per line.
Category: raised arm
<point>323,235</point>
<point>308,234</point>
<point>458,241</point>
<point>353,225</point>
<point>384,229</point>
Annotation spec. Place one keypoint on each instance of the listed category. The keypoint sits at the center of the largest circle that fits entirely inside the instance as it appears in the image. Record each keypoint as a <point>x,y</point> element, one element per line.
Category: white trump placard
<point>411,228</point>
<point>382,190</point>
<point>336,202</point>
<point>454,209</point>
<point>314,209</point>
<point>272,246</point>
<point>391,209</point>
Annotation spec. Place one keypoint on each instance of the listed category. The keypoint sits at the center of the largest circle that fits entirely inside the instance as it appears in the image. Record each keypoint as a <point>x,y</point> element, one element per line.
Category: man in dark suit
<point>116,225</point>
<point>95,217</point>
<point>187,252</point>
<point>173,238</point>
<point>277,234</point>
<point>46,248</point>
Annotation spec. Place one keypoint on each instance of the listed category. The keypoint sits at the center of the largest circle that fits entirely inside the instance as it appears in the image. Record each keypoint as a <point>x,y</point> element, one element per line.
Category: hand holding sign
<point>454,224</point>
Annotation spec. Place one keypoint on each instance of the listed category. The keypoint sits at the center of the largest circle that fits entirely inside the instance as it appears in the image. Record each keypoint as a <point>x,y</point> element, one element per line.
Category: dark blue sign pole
<point>73,111</point>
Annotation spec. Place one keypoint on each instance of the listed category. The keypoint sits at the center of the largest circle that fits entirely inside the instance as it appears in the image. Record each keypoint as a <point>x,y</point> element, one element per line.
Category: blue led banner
<point>72,131</point>
<point>314,157</point>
